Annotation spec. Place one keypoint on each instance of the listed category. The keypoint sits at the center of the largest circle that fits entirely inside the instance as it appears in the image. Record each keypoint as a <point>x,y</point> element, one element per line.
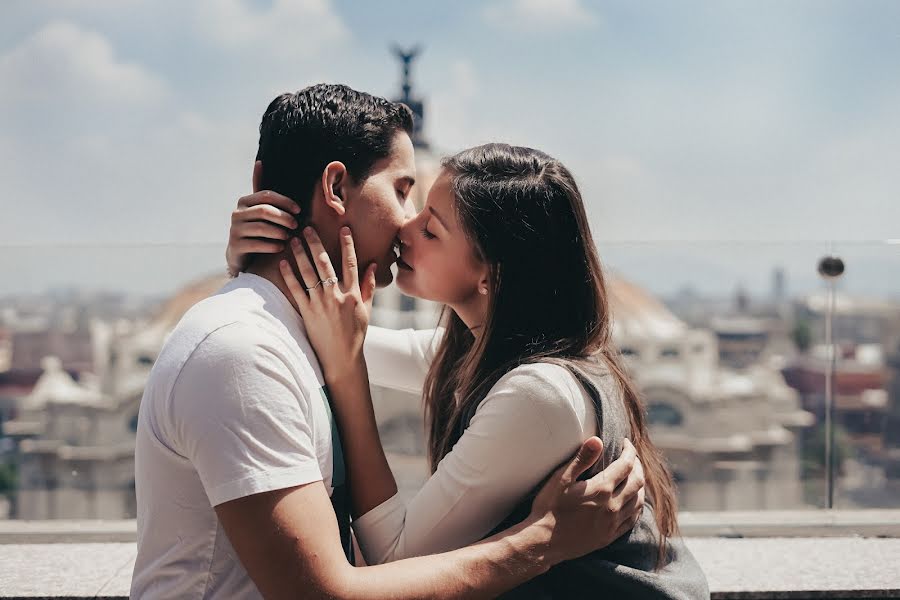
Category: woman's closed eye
<point>428,235</point>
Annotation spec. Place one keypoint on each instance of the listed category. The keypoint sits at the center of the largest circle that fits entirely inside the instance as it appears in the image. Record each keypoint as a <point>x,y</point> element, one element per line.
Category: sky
<point>128,127</point>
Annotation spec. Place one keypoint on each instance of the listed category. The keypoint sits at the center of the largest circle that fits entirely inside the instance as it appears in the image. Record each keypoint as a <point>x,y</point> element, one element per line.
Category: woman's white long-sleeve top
<point>532,420</point>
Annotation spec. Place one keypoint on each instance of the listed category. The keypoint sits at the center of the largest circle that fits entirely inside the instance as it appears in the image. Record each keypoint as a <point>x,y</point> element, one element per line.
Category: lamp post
<point>831,267</point>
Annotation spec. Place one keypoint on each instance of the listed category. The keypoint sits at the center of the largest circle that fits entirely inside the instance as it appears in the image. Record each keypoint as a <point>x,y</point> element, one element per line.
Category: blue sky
<point>134,121</point>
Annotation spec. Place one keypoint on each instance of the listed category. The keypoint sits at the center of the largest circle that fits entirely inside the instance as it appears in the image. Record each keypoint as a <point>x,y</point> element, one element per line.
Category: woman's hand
<point>587,515</point>
<point>335,313</point>
<point>336,316</point>
<point>260,224</point>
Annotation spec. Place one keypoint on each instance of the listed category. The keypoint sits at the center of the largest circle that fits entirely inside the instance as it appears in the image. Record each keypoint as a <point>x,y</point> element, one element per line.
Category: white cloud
<point>98,148</point>
<point>289,29</point>
<point>539,15</point>
<point>90,141</point>
<point>65,65</point>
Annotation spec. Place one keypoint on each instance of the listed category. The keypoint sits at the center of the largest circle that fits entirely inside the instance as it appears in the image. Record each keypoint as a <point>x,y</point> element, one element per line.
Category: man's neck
<point>267,268</point>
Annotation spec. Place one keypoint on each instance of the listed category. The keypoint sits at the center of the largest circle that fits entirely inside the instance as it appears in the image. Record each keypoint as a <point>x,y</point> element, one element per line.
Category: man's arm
<point>289,543</point>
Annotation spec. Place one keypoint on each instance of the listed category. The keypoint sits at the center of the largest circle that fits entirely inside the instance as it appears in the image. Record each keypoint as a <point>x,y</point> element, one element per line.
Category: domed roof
<point>638,314</point>
<point>192,293</point>
<point>56,386</point>
<point>151,337</point>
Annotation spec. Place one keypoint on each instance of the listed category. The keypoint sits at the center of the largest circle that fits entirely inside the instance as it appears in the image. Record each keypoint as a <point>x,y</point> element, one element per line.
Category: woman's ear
<point>483,287</point>
<point>334,181</point>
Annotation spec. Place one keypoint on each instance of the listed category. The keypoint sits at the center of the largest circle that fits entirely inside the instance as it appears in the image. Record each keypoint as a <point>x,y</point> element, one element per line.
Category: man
<point>239,469</point>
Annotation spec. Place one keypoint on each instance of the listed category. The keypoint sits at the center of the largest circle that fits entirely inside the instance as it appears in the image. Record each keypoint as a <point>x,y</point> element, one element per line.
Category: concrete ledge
<point>67,532</point>
<point>791,523</point>
<point>750,524</point>
<point>761,568</point>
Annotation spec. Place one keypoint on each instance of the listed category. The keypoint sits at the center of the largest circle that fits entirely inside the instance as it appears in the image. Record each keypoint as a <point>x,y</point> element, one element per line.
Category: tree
<point>802,335</point>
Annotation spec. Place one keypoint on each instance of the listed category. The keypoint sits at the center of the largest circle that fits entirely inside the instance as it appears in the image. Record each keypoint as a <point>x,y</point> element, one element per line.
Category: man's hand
<point>583,516</point>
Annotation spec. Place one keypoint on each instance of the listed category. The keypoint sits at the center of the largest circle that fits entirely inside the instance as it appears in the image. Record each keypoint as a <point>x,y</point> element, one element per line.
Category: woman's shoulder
<point>548,387</point>
<point>540,376</point>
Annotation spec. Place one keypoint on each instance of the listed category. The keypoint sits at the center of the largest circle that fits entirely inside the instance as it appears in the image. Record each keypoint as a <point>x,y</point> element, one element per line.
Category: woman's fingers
<point>266,213</point>
<point>251,246</point>
<point>294,286</point>
<point>262,229</point>
<point>269,197</point>
<point>348,258</point>
<point>367,288</point>
<point>307,271</point>
<point>320,256</point>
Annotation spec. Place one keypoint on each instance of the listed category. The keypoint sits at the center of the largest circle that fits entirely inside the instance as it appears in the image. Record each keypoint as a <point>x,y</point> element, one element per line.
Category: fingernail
<point>295,242</point>
<point>282,264</point>
<point>345,230</point>
<point>307,231</point>
<point>296,209</point>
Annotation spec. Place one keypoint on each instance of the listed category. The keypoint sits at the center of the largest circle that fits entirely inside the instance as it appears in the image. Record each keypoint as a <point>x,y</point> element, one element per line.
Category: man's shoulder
<point>211,334</point>
<point>232,316</point>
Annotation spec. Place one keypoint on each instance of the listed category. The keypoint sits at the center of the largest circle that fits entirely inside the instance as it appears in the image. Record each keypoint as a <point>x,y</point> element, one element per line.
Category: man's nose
<point>409,209</point>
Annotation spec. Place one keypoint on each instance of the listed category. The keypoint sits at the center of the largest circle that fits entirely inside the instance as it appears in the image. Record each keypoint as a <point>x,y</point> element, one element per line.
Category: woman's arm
<point>524,428</point>
<point>531,420</point>
<point>336,317</point>
<point>399,358</point>
<point>372,481</point>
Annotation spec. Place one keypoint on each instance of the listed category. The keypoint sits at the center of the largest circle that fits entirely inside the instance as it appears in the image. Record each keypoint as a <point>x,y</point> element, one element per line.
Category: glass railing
<point>767,385</point>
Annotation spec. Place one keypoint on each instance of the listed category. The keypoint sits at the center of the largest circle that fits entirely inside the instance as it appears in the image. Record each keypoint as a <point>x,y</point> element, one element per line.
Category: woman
<point>521,371</point>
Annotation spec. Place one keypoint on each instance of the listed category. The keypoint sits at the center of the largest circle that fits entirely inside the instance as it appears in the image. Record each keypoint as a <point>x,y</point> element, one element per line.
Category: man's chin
<point>383,279</point>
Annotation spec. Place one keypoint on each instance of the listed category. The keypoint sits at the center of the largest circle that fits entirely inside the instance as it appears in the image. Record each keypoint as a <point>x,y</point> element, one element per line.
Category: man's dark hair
<point>302,132</point>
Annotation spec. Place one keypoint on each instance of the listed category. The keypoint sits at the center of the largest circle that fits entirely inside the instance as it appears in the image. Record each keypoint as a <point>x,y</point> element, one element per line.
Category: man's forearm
<point>371,479</point>
<point>484,570</point>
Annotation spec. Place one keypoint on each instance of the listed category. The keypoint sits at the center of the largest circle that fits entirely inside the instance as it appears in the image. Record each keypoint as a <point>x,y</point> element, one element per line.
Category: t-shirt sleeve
<point>399,358</point>
<point>525,427</point>
<point>241,417</point>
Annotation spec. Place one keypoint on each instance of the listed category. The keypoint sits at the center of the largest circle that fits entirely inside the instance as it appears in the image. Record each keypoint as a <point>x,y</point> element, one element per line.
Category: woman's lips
<point>403,265</point>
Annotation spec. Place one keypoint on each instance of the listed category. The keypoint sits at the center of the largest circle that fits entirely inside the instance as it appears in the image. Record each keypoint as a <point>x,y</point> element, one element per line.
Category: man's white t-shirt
<point>234,406</point>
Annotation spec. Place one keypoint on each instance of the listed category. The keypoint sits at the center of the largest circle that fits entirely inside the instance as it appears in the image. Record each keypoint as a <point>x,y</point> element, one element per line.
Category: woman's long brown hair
<point>525,217</point>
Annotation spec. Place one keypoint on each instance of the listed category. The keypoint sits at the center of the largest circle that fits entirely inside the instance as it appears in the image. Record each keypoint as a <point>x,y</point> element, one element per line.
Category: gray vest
<point>627,567</point>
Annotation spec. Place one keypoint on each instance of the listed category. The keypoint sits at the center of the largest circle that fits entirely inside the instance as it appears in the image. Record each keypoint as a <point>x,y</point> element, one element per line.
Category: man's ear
<point>256,182</point>
<point>334,183</point>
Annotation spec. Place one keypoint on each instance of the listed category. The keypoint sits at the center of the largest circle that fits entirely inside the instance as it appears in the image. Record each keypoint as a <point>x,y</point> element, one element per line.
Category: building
<point>74,439</point>
<point>728,427</point>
